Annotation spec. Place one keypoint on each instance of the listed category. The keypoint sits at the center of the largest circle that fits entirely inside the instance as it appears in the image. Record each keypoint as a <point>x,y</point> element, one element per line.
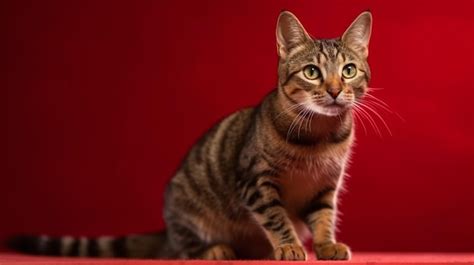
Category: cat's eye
<point>349,71</point>
<point>311,72</point>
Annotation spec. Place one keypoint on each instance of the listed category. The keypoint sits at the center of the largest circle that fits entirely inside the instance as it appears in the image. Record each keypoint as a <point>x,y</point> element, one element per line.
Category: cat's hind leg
<point>190,246</point>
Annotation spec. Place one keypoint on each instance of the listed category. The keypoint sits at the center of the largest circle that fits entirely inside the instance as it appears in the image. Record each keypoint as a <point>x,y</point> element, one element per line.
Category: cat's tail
<point>153,245</point>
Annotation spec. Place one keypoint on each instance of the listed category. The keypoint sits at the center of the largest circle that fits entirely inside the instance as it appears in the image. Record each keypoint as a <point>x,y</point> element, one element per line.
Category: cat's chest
<point>301,180</point>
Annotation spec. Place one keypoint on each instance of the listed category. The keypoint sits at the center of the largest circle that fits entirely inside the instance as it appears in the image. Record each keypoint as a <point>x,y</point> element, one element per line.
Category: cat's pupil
<point>349,71</point>
<point>311,72</point>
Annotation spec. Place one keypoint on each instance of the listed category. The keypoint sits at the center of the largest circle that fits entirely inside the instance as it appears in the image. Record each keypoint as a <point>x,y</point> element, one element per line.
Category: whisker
<point>358,118</point>
<point>367,115</point>
<point>379,105</point>
<point>301,122</point>
<point>358,110</point>
<point>387,107</point>
<point>310,123</point>
<point>375,105</point>
<point>380,117</point>
<point>293,124</point>
<point>292,107</point>
<point>377,99</point>
<point>379,132</point>
<point>307,121</point>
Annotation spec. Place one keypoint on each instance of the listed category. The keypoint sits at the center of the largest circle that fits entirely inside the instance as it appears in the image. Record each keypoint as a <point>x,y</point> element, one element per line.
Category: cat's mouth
<point>334,108</point>
<point>336,104</point>
<point>329,109</point>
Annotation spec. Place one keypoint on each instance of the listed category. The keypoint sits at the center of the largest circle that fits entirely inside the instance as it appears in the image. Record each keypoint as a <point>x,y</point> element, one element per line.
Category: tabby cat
<point>264,179</point>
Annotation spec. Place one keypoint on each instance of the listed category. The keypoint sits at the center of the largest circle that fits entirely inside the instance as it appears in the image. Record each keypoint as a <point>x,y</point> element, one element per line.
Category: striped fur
<point>134,246</point>
<point>263,179</point>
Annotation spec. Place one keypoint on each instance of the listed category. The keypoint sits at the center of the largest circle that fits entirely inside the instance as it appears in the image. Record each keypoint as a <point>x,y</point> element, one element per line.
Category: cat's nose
<point>334,91</point>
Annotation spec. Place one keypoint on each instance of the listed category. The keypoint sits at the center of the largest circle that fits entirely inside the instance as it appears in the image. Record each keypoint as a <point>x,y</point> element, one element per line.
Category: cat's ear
<point>357,36</point>
<point>289,33</point>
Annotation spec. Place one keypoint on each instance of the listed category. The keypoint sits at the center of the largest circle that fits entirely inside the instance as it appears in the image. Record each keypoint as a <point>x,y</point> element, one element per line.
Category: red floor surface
<point>358,258</point>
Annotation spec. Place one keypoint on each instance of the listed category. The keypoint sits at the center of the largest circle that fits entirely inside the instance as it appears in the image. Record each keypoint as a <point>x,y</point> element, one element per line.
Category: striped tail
<point>131,246</point>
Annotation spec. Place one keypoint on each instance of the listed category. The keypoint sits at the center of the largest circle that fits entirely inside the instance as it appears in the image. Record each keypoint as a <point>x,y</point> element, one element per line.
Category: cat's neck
<point>307,128</point>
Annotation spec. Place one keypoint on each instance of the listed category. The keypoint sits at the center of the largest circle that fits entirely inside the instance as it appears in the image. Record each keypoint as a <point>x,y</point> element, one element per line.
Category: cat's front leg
<point>261,195</point>
<point>320,217</point>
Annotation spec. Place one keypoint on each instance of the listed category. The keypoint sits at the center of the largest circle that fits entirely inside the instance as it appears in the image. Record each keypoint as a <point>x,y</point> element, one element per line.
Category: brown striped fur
<point>263,179</point>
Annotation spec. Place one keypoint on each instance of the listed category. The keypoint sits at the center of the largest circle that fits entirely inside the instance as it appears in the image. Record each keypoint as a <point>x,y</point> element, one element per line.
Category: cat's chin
<point>334,110</point>
<point>329,110</point>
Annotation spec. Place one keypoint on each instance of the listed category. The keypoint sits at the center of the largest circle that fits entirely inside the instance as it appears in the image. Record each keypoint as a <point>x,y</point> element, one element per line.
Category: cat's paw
<point>290,252</point>
<point>219,252</point>
<point>332,251</point>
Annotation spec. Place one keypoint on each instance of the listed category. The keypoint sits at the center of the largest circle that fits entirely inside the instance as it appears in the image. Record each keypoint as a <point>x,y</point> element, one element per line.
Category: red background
<point>103,98</point>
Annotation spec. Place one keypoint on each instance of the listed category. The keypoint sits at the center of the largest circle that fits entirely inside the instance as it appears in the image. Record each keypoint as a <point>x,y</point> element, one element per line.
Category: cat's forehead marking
<point>322,51</point>
<point>331,48</point>
<point>326,53</point>
<point>329,54</point>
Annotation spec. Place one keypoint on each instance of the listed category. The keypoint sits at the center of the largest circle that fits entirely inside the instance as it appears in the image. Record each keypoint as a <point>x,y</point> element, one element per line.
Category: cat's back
<point>221,145</point>
<point>207,174</point>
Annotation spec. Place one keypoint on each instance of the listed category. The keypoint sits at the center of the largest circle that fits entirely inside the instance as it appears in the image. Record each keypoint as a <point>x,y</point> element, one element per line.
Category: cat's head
<point>327,76</point>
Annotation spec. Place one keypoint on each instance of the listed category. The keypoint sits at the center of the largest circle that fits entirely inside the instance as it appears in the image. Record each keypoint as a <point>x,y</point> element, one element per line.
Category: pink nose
<point>334,91</point>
